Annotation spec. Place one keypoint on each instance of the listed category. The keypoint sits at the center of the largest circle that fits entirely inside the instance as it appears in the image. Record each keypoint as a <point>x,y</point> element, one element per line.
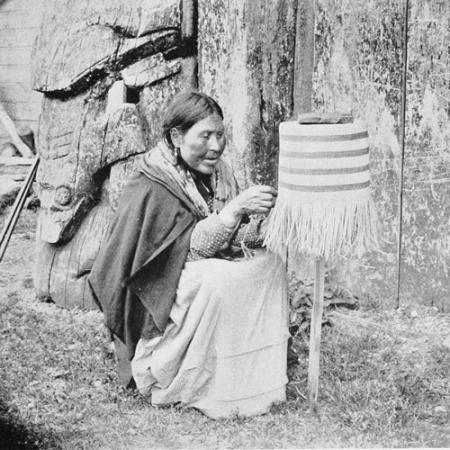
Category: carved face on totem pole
<point>106,68</point>
<point>92,62</point>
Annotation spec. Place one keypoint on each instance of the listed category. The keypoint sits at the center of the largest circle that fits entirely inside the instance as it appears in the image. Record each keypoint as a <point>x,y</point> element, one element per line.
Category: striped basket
<point>324,207</point>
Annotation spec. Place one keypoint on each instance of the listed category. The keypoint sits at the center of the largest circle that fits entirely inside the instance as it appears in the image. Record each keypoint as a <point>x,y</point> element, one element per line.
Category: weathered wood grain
<point>81,43</point>
<point>25,21</point>
<point>347,65</point>
<point>425,268</point>
<point>17,37</point>
<point>18,91</point>
<point>24,6</point>
<point>246,57</point>
<point>304,56</point>
<point>15,73</point>
<point>89,137</point>
<point>358,67</point>
<point>150,70</point>
<point>16,55</point>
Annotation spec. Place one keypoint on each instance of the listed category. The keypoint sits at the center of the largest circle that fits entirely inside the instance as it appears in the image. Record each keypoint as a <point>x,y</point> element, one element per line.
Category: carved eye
<point>63,196</point>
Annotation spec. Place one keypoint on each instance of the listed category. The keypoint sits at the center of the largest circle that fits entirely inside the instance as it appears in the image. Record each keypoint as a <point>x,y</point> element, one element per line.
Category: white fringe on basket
<point>321,228</point>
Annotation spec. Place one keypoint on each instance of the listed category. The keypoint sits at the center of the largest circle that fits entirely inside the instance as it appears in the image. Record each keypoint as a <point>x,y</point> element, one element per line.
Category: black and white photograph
<point>224,224</point>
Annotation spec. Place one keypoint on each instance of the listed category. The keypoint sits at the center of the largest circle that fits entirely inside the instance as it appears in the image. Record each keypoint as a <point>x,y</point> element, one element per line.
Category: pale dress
<point>224,351</point>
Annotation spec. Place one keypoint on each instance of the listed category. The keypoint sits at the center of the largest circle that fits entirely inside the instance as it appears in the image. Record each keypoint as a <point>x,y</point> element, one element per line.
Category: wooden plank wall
<point>358,67</point>
<point>19,25</point>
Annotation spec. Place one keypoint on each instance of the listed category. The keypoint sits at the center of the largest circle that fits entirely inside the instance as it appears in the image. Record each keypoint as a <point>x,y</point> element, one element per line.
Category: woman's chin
<point>207,168</point>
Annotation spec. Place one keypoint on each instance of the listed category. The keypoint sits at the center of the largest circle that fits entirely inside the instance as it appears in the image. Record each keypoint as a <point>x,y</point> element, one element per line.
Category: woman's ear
<point>176,136</point>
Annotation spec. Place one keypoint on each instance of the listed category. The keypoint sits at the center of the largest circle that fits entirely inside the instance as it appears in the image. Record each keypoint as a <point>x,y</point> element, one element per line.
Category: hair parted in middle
<point>185,110</point>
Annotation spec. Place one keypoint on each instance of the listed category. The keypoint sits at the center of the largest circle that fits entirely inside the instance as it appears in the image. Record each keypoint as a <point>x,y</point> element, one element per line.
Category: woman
<point>203,316</point>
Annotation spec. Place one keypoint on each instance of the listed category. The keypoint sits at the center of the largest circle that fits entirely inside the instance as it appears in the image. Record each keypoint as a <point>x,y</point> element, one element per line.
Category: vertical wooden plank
<point>304,56</point>
<point>189,14</point>
<point>246,56</point>
<point>426,212</point>
<point>358,70</point>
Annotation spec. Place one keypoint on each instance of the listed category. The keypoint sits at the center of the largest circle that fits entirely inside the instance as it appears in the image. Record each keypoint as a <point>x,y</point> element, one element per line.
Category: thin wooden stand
<point>17,208</point>
<point>316,329</point>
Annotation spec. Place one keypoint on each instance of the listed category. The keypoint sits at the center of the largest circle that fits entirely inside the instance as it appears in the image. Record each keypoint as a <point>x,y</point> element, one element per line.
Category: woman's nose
<point>214,143</point>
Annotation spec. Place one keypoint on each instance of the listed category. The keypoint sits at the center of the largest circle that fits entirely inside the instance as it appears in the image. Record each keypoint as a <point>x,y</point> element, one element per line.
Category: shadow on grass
<point>17,435</point>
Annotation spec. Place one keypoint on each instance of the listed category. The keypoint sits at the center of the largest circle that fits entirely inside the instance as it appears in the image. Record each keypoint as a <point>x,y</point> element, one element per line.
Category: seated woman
<point>183,280</point>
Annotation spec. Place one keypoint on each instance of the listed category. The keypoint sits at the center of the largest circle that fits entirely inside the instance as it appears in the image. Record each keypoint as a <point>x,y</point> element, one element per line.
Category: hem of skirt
<point>253,406</point>
<point>244,407</point>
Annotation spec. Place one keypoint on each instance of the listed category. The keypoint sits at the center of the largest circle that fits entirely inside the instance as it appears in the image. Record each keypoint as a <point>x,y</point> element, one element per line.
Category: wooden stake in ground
<point>315,333</point>
<point>17,208</point>
<point>324,208</point>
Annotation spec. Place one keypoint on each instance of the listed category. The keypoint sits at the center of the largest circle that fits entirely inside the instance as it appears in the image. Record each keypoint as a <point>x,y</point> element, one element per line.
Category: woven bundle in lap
<point>324,207</point>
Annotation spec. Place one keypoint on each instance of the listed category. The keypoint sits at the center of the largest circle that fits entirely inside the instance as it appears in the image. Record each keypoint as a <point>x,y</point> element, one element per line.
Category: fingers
<point>258,199</point>
<point>268,189</point>
<point>261,206</point>
<point>260,210</point>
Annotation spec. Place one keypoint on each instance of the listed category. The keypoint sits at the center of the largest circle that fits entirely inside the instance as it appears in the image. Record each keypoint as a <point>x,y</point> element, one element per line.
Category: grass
<point>384,381</point>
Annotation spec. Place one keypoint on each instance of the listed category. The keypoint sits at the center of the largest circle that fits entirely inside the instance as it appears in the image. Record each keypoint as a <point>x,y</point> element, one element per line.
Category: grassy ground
<point>384,381</point>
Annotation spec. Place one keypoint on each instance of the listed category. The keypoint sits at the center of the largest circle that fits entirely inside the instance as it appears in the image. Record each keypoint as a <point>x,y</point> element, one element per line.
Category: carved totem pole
<point>108,68</point>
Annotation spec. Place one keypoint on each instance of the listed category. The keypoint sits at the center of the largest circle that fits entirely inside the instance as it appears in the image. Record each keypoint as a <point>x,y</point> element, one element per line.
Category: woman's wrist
<point>230,217</point>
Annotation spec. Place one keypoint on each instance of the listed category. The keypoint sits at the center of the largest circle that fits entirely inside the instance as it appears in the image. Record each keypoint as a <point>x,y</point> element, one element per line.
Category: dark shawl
<point>135,276</point>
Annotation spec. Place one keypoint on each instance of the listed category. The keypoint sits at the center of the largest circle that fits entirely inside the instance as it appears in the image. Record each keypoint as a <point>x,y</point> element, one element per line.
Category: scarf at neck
<point>222,182</point>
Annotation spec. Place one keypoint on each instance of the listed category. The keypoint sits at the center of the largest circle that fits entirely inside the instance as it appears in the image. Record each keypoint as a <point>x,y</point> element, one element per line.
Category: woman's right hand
<point>257,199</point>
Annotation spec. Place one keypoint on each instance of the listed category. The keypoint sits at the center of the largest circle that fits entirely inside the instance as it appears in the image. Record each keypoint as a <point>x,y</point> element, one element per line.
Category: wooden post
<point>189,70</point>
<point>315,332</point>
<point>304,57</point>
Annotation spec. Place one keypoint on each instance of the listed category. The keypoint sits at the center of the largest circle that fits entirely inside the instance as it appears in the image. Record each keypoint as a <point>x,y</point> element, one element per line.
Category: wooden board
<point>17,90</point>
<point>24,6</point>
<point>246,63</point>
<point>20,73</point>
<point>17,37</point>
<point>15,55</point>
<point>359,69</point>
<point>82,42</point>
<point>19,20</point>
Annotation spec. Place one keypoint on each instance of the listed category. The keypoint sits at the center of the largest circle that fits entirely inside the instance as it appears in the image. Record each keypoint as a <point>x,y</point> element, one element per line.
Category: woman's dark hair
<point>186,109</point>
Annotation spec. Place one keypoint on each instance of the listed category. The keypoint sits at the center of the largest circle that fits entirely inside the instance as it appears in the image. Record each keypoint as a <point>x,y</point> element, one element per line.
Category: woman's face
<point>202,145</point>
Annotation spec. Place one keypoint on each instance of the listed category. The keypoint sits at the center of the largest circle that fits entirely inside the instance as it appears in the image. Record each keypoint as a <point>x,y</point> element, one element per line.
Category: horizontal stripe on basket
<point>324,180</point>
<point>332,188</point>
<point>324,163</point>
<point>343,170</point>
<point>324,138</point>
<point>345,154</point>
<point>336,146</point>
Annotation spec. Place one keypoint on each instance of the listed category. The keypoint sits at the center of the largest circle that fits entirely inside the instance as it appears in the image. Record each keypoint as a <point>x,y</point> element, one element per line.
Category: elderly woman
<point>184,281</point>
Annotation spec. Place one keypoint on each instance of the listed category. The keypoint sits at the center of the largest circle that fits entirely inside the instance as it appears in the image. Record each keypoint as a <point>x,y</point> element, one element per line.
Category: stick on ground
<point>17,208</point>
<point>316,329</point>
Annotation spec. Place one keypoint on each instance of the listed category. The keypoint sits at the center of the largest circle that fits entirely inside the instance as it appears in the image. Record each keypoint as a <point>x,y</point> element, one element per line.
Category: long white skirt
<point>224,351</point>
